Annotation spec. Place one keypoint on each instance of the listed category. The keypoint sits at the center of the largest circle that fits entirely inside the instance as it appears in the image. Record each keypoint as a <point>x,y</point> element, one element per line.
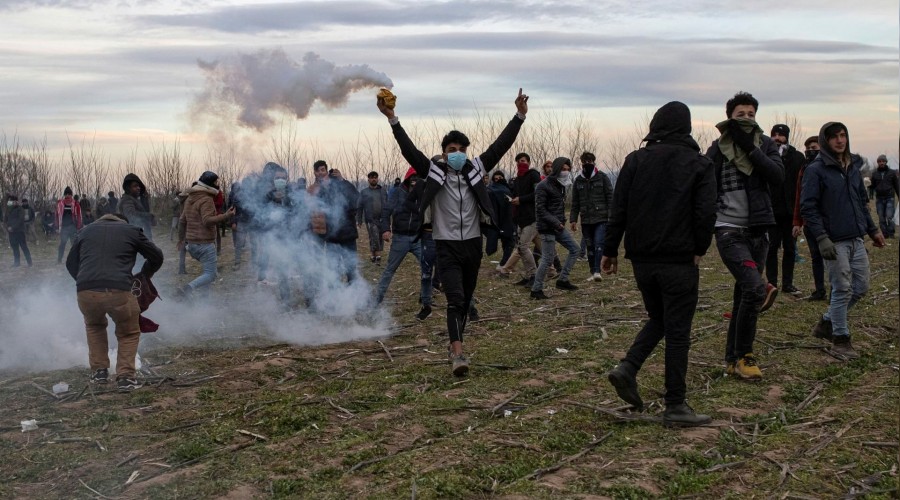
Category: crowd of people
<point>752,192</point>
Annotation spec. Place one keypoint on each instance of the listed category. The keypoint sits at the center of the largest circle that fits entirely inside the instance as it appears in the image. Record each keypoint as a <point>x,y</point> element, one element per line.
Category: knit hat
<point>67,191</point>
<point>209,178</point>
<point>782,129</point>
<point>882,157</point>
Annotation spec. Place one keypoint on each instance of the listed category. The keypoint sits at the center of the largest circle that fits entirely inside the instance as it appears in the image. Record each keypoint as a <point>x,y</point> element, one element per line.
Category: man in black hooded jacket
<point>550,212</point>
<point>781,234</point>
<point>135,204</point>
<point>665,207</point>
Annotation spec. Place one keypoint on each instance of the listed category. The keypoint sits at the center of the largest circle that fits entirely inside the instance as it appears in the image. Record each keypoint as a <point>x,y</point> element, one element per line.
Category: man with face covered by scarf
<point>833,202</point>
<point>550,212</point>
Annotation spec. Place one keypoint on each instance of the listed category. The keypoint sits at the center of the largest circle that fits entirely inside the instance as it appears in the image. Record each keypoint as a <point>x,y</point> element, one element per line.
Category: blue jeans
<point>548,254</point>
<point>594,234</point>
<point>205,253</point>
<point>849,275</point>
<point>402,244</point>
<point>885,209</point>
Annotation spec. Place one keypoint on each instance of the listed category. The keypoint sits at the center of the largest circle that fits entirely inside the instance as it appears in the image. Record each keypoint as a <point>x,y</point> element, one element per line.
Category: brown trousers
<point>123,308</point>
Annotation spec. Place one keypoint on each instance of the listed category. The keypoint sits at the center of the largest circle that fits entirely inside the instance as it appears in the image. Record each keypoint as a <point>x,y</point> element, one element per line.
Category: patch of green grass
<point>191,449</point>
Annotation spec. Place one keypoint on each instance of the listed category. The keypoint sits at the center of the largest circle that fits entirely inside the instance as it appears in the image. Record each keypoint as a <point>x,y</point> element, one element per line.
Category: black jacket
<point>15,219</point>
<point>665,198</point>
<point>832,201</point>
<point>137,210</point>
<point>341,200</point>
<point>783,197</point>
<point>591,198</point>
<point>550,201</point>
<point>399,216</point>
<point>768,174</point>
<point>365,212</point>
<point>523,188</point>
<point>104,252</point>
<point>885,183</point>
<point>471,171</point>
<point>500,195</point>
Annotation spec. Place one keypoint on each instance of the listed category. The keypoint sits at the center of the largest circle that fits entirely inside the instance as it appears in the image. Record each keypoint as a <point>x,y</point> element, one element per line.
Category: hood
<point>202,190</point>
<point>131,178</point>
<point>828,155</point>
<point>113,218</point>
<point>558,165</point>
<point>672,124</point>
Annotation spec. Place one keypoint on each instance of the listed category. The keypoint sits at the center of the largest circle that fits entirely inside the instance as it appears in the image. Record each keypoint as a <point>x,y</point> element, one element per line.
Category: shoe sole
<point>461,371</point>
<point>770,300</point>
<point>842,357</point>
<point>751,378</point>
<point>621,386</point>
<point>675,423</point>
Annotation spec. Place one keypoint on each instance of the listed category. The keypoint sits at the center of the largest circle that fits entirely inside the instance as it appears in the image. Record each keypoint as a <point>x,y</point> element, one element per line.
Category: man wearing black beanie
<point>783,197</point>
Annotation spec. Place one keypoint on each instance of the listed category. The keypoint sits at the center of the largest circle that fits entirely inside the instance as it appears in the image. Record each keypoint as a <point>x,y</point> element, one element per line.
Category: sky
<point>126,72</point>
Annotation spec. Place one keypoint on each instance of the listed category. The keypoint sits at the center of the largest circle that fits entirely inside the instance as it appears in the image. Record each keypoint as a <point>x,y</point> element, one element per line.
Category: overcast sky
<point>127,70</point>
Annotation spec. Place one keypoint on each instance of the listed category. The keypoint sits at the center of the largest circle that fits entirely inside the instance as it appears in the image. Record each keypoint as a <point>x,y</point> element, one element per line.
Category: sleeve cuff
<point>520,116</point>
<point>393,121</point>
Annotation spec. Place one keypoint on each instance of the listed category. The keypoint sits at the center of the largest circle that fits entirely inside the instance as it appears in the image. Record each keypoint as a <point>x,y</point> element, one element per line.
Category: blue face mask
<point>456,160</point>
<point>280,184</point>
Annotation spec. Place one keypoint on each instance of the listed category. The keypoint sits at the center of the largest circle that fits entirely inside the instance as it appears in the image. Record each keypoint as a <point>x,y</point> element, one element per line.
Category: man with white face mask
<point>457,197</point>
<point>550,211</point>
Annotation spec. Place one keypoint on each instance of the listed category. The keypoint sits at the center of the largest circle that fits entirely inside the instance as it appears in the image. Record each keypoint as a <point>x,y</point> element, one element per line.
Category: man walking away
<point>781,234</point>
<point>68,221</point>
<point>591,198</point>
<point>834,205</point>
<point>550,212</point>
<point>101,261</point>
<point>15,226</point>
<point>747,167</point>
<point>372,201</point>
<point>886,185</point>
<point>665,206</point>
<point>197,230</point>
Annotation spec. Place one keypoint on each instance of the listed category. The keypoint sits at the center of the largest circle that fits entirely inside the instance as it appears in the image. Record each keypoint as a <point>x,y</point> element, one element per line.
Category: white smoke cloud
<point>251,86</point>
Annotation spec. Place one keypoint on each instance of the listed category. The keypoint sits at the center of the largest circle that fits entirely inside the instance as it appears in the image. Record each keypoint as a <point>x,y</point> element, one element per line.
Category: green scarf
<point>731,150</point>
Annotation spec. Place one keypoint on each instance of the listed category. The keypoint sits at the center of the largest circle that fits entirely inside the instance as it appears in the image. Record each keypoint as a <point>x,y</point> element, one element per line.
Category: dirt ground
<point>249,416</point>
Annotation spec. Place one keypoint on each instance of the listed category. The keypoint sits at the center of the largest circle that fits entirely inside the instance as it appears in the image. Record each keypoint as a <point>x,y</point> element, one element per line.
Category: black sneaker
<point>100,376</point>
<point>523,282</point>
<point>423,313</point>
<point>622,377</point>
<point>824,330</point>
<point>527,283</point>
<point>791,290</point>
<point>682,415</point>
<point>565,285</point>
<point>128,384</point>
<point>459,365</point>
<point>818,295</point>
<point>538,295</point>
<point>473,314</point>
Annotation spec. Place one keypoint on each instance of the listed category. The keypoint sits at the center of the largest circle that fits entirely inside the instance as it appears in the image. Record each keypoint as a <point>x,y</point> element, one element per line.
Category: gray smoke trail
<point>253,85</point>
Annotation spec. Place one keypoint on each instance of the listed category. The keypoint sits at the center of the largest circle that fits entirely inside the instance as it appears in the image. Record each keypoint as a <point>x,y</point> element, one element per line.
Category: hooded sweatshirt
<point>137,210</point>
<point>550,200</point>
<point>665,199</point>
<point>833,199</point>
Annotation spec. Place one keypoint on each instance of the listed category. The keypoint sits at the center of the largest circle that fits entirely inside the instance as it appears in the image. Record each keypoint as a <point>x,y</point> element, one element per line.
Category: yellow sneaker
<point>747,369</point>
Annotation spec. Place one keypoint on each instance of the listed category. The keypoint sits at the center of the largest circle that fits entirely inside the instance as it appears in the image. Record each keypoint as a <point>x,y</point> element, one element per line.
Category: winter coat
<point>523,188</point>
<point>768,174</point>
<point>372,202</point>
<point>833,201</point>
<point>451,221</point>
<point>783,198</point>
<point>665,198</point>
<point>591,198</point>
<point>885,183</point>
<point>113,204</point>
<point>15,219</point>
<point>199,218</point>
<point>399,215</point>
<point>103,255</point>
<point>338,201</point>
<point>550,201</point>
<point>500,195</point>
<point>137,210</point>
<point>74,217</point>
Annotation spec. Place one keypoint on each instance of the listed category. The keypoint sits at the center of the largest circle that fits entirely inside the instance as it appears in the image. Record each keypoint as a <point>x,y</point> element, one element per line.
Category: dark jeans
<point>670,297</point>
<point>457,264</point>
<point>780,236</point>
<point>66,233</point>
<point>17,242</point>
<point>594,234</point>
<point>492,238</point>
<point>743,253</point>
<point>885,209</point>
<point>429,258</point>
<point>818,265</point>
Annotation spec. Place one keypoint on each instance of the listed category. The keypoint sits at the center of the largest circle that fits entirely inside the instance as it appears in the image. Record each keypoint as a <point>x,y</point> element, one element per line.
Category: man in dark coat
<point>550,212</point>
<point>505,232</point>
<point>523,186</point>
<point>781,234</point>
<point>591,200</point>
<point>135,204</point>
<point>456,197</point>
<point>665,207</point>
<point>886,186</point>
<point>15,226</point>
<point>372,201</point>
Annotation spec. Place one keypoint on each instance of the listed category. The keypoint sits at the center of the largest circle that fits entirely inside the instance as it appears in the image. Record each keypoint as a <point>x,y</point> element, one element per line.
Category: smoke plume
<point>251,86</point>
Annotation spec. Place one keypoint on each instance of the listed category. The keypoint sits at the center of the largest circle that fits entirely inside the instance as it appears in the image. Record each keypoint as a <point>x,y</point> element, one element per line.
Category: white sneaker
<point>597,277</point>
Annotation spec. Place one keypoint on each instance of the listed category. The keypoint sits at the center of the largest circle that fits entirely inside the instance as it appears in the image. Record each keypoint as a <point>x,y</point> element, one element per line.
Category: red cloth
<point>409,173</point>
<point>147,294</point>
<point>219,201</point>
<point>76,212</point>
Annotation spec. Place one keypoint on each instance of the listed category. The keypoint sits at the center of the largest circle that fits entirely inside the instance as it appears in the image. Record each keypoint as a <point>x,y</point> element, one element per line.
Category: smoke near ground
<point>249,87</point>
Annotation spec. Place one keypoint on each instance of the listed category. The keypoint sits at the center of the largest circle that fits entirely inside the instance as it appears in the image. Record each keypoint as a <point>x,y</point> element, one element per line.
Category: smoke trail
<point>253,85</point>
